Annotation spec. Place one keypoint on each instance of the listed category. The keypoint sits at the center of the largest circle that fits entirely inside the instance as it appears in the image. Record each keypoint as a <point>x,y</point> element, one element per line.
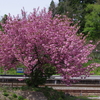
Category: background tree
<point>44,45</point>
<point>52,8</point>
<point>92,25</point>
<point>3,21</point>
<point>75,9</point>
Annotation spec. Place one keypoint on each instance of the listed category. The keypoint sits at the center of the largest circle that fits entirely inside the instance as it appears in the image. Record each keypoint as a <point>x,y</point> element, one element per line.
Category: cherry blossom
<point>38,39</point>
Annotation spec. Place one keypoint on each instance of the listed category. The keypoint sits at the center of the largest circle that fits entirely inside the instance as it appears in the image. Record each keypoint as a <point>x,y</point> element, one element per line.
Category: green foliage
<point>12,71</point>
<point>97,70</point>
<point>75,9</point>
<point>20,98</point>
<point>5,94</point>
<point>52,8</point>
<point>3,21</point>
<point>16,88</point>
<point>92,18</point>
<point>14,95</point>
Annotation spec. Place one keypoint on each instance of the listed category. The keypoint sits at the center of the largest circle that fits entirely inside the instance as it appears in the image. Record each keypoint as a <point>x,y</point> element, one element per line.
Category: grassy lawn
<point>97,70</point>
<point>12,71</point>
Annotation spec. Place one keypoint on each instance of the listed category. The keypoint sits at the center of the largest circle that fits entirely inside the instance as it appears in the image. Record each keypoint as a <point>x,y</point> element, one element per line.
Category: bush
<point>5,94</point>
<point>20,98</point>
<point>14,95</point>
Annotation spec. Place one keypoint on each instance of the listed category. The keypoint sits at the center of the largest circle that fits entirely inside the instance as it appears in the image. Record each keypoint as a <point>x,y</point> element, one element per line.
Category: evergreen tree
<point>52,8</point>
<point>3,21</point>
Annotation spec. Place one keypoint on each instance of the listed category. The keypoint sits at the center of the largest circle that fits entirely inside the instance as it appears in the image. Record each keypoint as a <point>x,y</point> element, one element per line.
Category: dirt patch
<point>32,95</point>
<point>28,95</point>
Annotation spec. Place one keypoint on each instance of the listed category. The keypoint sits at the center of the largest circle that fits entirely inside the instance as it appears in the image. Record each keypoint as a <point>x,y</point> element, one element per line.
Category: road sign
<point>20,70</point>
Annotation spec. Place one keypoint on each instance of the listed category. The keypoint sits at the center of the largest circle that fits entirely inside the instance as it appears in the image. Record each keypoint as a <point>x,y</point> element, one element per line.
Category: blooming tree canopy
<point>37,39</point>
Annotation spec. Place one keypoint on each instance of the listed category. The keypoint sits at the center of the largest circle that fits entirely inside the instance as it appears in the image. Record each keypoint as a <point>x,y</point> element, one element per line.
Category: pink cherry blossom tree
<point>45,46</point>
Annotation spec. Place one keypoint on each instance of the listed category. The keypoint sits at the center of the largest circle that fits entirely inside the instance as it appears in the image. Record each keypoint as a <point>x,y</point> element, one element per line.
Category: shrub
<point>20,98</point>
<point>14,95</point>
<point>5,94</point>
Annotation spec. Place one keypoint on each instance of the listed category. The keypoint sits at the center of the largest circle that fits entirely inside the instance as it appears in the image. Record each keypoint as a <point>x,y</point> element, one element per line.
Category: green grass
<point>12,71</point>
<point>93,96</point>
<point>97,70</point>
<point>6,93</point>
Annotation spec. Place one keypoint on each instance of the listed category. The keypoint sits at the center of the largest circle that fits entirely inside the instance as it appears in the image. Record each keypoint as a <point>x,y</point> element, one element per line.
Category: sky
<point>14,6</point>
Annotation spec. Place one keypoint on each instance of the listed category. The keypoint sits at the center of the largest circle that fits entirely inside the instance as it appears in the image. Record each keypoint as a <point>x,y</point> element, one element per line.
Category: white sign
<point>20,70</point>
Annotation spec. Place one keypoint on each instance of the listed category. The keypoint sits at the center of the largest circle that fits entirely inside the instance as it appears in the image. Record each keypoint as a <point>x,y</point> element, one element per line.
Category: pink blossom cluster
<point>37,39</point>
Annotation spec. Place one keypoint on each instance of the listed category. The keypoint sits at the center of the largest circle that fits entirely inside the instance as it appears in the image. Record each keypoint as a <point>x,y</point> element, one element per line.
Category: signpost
<point>20,70</point>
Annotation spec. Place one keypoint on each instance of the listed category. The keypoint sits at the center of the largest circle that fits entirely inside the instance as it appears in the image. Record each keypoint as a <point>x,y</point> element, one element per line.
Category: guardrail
<point>56,79</point>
